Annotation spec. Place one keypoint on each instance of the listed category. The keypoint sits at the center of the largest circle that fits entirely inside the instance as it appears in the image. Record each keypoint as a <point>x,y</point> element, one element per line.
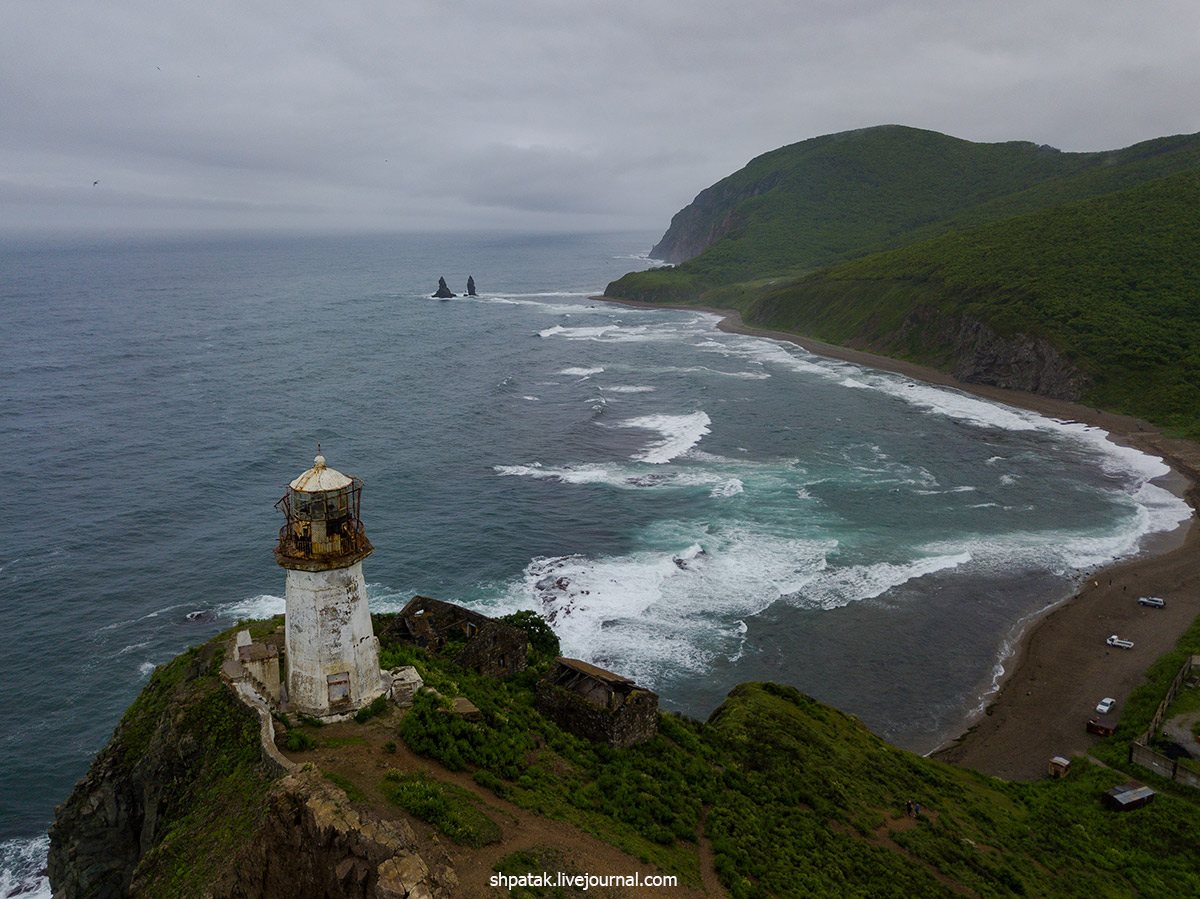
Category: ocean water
<point>688,507</point>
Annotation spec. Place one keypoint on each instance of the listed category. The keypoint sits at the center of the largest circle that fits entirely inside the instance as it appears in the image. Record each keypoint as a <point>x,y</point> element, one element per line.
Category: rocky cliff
<point>708,218</point>
<point>974,353</point>
<point>185,801</point>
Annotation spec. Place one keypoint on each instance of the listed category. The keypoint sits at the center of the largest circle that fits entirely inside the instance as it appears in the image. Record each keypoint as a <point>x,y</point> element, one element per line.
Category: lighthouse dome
<point>320,478</point>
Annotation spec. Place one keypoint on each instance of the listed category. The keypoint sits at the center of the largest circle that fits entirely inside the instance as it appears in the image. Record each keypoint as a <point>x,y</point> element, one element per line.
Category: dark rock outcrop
<point>443,292</point>
<point>1020,362</point>
<point>120,811</point>
<point>974,353</point>
<point>708,218</point>
<point>470,286</point>
<point>313,843</point>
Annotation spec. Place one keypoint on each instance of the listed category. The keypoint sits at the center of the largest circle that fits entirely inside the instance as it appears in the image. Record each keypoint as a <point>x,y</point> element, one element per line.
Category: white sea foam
<point>833,587</point>
<point>146,669</point>
<point>732,487</point>
<point>580,372</point>
<point>264,605</point>
<point>663,610</point>
<point>635,477</point>
<point>630,389</point>
<point>592,333</point>
<point>22,868</point>
<point>679,434</point>
<point>1163,511</point>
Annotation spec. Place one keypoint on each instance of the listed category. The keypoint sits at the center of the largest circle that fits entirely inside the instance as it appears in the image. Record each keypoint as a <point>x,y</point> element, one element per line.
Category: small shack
<point>1127,796</point>
<point>597,704</point>
<point>1059,766</point>
<point>492,648</point>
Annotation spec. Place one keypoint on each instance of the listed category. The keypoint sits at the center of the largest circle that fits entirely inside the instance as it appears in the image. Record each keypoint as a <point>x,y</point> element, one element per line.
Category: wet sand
<point>1062,667</point>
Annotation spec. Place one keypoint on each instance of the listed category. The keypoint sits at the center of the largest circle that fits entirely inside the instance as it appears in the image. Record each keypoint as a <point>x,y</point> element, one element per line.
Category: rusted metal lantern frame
<point>322,529</point>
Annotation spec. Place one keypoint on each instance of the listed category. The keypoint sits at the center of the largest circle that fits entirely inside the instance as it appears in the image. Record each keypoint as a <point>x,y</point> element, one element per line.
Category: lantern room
<point>322,527</point>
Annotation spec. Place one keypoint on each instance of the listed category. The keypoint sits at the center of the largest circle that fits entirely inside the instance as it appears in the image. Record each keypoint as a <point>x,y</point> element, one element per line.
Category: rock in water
<point>443,292</point>
<point>470,286</point>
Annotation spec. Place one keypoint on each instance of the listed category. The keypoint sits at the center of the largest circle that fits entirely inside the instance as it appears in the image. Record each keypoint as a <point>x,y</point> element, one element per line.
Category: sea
<point>689,508</point>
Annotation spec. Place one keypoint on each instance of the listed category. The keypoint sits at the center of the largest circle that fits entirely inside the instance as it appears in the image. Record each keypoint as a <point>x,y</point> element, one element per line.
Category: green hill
<point>930,248</point>
<point>781,795</point>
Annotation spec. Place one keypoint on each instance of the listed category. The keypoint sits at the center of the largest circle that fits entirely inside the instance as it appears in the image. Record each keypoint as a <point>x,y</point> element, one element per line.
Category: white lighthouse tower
<point>332,653</point>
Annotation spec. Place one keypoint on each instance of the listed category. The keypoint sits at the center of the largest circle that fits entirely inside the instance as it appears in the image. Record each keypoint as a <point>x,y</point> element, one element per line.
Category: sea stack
<point>470,286</point>
<point>332,652</point>
<point>443,292</point>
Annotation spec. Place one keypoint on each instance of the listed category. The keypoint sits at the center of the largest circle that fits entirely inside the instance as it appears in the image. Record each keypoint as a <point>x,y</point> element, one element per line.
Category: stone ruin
<point>597,704</point>
<point>492,648</point>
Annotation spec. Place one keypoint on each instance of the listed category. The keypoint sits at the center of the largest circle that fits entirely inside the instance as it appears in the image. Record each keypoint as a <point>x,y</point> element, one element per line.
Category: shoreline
<point>1058,666</point>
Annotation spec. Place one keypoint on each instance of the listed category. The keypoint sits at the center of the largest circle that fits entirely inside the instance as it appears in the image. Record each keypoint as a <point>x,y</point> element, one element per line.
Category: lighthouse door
<point>339,687</point>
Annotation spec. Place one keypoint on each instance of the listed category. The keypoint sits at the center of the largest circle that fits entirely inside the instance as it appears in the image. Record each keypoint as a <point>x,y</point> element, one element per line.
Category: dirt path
<point>356,752</point>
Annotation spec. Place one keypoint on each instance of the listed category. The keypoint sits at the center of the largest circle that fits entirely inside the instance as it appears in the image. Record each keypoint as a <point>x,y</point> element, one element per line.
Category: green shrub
<point>450,809</point>
<point>542,639</point>
<point>377,707</point>
<point>299,741</point>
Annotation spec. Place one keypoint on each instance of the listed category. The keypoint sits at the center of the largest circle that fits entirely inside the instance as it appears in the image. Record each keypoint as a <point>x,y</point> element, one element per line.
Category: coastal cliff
<point>975,353</point>
<point>776,795</point>
<point>185,802</point>
<point>1069,275</point>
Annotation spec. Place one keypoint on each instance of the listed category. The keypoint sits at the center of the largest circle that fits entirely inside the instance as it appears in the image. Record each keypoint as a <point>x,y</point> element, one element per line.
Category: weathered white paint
<point>328,633</point>
<point>318,479</point>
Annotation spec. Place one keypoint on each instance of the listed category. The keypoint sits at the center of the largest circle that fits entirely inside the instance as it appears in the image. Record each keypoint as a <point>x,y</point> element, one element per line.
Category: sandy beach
<point>1061,666</point>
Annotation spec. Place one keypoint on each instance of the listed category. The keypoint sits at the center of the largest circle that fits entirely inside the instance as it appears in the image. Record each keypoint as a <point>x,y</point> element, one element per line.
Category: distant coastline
<point>1058,666</point>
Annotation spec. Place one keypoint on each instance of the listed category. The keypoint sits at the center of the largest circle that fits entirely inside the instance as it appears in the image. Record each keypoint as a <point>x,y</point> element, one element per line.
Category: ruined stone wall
<point>635,721</point>
<point>497,650</point>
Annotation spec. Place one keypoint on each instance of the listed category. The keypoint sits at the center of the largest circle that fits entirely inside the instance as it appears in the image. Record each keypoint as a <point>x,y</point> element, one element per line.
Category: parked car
<point>1116,641</point>
<point>1104,706</point>
<point>1154,602</point>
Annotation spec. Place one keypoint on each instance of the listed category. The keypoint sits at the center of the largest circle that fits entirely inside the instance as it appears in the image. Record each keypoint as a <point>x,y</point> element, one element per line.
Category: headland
<point>1059,666</point>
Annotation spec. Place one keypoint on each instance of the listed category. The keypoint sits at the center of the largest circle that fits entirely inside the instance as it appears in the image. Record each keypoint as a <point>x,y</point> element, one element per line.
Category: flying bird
<point>94,183</point>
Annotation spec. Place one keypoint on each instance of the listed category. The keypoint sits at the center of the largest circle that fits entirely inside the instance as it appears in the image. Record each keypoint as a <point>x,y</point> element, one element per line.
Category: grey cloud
<point>537,113</point>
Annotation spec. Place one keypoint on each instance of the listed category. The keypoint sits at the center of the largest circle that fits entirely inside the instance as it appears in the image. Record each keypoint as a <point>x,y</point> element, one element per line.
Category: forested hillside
<point>913,244</point>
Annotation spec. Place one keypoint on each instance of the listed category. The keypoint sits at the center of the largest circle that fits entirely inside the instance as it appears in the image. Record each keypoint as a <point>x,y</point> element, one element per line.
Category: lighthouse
<point>332,653</point>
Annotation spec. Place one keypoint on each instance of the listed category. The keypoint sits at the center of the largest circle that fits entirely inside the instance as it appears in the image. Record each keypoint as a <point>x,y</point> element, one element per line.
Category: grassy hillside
<point>799,799</point>
<point>1114,282</point>
<point>890,237</point>
<point>836,197</point>
<point>796,798</point>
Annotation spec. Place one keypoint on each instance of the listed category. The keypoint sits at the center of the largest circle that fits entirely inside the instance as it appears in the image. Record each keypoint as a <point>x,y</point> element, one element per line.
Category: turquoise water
<point>690,508</point>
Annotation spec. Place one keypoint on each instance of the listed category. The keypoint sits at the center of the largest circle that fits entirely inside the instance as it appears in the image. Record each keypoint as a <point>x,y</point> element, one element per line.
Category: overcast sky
<point>532,114</point>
